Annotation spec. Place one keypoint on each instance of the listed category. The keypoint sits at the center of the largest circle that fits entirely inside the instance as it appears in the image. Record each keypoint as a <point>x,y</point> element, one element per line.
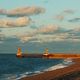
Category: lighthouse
<point>46,52</point>
<point>19,52</point>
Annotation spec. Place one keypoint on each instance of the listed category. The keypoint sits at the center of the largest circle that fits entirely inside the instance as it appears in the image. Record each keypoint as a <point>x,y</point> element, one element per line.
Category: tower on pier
<point>46,52</point>
<point>19,52</point>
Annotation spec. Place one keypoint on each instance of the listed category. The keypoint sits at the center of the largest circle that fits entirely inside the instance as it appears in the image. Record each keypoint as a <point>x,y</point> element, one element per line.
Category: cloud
<point>48,28</point>
<point>75,40</point>
<point>49,33</point>
<point>76,29</point>
<point>25,11</point>
<point>63,14</point>
<point>24,37</point>
<point>19,22</point>
<point>37,35</point>
<point>23,21</point>
<point>56,38</point>
<point>60,17</point>
<point>40,37</point>
<point>74,20</point>
<point>48,38</point>
<point>2,37</point>
<point>3,12</point>
<point>68,11</point>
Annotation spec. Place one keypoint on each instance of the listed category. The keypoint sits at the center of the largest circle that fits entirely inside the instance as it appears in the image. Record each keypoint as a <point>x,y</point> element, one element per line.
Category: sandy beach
<point>71,72</point>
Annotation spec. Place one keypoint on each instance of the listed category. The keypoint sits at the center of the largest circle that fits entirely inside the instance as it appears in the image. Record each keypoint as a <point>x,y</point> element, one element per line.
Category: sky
<point>37,24</point>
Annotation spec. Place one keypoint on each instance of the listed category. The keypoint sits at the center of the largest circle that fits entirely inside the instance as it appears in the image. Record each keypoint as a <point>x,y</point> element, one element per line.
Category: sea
<point>13,68</point>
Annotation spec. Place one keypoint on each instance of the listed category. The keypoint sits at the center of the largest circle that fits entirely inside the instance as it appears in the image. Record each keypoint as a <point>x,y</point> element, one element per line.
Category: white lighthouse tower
<point>46,52</point>
<point>19,52</point>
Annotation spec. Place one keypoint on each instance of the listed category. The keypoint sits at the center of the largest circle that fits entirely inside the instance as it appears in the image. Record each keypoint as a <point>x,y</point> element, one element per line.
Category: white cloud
<point>25,39</point>
<point>22,11</point>
<point>63,14</point>
<point>3,12</point>
<point>74,40</point>
<point>48,28</point>
<point>60,17</point>
<point>19,22</point>
<point>43,35</point>
<point>25,11</point>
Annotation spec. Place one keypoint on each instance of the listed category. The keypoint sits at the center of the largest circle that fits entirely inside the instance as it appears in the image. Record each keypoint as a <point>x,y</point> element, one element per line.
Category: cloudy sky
<point>35,25</point>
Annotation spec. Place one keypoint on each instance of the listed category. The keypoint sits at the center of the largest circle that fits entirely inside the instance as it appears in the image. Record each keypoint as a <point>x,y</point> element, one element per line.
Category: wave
<point>29,74</point>
<point>64,63</point>
<point>58,66</point>
<point>8,77</point>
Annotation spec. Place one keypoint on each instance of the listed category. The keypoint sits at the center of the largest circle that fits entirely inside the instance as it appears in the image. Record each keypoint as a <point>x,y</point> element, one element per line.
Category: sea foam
<point>64,64</point>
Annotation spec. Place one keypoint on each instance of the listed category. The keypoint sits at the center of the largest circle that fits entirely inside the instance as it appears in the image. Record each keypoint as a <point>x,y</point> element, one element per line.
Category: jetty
<point>46,54</point>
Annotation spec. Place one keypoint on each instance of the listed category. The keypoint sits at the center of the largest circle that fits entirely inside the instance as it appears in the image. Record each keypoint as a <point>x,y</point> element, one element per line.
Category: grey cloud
<point>2,37</point>
<point>58,34</point>
<point>74,20</point>
<point>29,36</point>
<point>39,36</point>
<point>57,38</point>
<point>68,11</point>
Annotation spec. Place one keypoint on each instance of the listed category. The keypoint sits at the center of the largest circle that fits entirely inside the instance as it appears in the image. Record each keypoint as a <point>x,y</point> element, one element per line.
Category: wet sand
<point>71,72</point>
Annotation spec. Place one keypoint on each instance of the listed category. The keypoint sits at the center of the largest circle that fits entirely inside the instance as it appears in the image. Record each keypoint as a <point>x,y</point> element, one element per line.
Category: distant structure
<point>46,52</point>
<point>48,55</point>
<point>19,52</point>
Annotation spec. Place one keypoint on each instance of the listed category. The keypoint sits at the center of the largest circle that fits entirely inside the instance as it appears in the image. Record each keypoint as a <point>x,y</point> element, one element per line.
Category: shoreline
<point>58,73</point>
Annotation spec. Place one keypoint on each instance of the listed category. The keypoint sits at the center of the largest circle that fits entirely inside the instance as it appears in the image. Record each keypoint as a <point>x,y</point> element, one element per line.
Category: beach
<point>72,72</point>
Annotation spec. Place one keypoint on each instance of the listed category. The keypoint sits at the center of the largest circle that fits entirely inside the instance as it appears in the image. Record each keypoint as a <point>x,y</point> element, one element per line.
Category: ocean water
<point>13,68</point>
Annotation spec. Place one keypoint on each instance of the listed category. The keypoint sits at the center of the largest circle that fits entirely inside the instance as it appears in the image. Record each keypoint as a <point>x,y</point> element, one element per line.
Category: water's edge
<point>13,68</point>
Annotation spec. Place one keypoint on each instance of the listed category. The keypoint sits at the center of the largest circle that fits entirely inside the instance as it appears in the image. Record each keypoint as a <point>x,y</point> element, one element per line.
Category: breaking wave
<point>18,68</point>
<point>64,64</point>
